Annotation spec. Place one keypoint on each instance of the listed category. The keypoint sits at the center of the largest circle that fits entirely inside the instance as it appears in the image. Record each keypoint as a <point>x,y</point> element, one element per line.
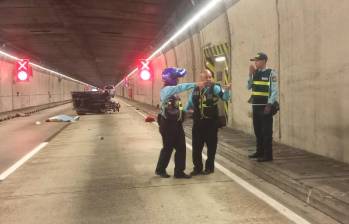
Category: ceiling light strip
<point>188,24</point>
<point>192,21</point>
<point>45,69</point>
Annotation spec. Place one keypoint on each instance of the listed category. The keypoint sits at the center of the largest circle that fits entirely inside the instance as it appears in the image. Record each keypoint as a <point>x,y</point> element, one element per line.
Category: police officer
<point>203,101</point>
<point>170,121</point>
<point>263,83</point>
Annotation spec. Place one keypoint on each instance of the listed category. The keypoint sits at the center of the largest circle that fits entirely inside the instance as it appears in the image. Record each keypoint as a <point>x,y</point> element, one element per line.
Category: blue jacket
<point>168,91</point>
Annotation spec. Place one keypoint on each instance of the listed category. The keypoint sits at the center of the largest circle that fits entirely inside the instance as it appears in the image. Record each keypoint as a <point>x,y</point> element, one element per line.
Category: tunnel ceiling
<point>94,41</point>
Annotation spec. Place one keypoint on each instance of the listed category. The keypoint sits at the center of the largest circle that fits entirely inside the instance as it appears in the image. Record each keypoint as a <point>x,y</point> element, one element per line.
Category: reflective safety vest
<point>205,103</point>
<point>261,87</point>
<point>173,109</point>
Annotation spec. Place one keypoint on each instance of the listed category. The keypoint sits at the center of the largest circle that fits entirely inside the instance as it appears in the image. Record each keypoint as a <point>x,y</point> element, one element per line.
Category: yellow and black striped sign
<point>210,54</point>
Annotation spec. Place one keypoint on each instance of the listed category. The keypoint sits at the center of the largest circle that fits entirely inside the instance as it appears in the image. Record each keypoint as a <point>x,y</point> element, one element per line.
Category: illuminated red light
<point>145,75</point>
<point>144,70</point>
<point>23,70</point>
<point>22,75</point>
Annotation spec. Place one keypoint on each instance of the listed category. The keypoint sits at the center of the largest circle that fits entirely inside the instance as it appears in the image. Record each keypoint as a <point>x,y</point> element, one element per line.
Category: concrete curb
<point>29,110</point>
<point>323,201</point>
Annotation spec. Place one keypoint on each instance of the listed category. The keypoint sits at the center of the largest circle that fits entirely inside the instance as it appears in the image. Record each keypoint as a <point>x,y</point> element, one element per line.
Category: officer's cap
<point>260,56</point>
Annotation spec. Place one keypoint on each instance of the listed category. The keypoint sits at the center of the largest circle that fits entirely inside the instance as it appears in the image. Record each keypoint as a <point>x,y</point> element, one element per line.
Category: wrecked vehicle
<point>94,102</point>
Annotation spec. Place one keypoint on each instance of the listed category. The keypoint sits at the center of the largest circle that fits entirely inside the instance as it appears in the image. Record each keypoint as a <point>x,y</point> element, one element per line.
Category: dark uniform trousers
<point>204,131</point>
<point>263,129</point>
<point>173,137</point>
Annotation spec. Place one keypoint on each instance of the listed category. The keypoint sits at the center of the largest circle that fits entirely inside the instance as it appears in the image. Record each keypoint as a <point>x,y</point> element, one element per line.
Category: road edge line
<point>20,162</point>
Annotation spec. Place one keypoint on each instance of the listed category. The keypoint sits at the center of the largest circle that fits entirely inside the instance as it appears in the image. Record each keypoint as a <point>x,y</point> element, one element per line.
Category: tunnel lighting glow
<point>192,21</point>
<point>22,76</point>
<point>210,5</point>
<point>220,59</point>
<point>44,69</point>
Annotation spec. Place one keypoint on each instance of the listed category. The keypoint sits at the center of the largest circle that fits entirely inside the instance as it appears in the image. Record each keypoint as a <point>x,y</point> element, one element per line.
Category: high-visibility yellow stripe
<point>263,83</point>
<point>218,50</point>
<point>210,67</point>
<point>213,51</point>
<point>260,94</point>
<point>225,49</point>
<point>226,75</point>
<point>211,54</point>
<point>226,81</point>
<point>221,48</point>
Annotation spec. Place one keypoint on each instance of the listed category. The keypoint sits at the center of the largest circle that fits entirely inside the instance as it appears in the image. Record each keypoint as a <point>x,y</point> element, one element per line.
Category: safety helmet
<point>170,75</point>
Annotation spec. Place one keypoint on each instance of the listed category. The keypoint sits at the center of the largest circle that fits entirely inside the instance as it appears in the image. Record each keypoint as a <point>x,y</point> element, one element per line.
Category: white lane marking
<point>291,215</point>
<point>266,198</point>
<point>127,104</point>
<point>20,162</point>
<point>144,115</point>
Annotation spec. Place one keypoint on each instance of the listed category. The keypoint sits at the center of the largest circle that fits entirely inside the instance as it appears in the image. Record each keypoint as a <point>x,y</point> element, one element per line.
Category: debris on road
<point>19,114</point>
<point>149,119</point>
<point>63,118</point>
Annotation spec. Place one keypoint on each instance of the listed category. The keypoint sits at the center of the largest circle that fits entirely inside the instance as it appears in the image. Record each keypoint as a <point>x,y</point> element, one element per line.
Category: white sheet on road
<point>63,118</point>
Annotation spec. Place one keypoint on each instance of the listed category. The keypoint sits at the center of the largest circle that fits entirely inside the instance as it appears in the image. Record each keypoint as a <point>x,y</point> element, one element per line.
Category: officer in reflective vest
<point>170,121</point>
<point>264,86</point>
<point>203,101</point>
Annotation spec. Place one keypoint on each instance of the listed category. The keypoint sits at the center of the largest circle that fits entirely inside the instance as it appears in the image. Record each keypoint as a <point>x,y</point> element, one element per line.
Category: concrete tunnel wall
<point>43,88</point>
<point>306,46</point>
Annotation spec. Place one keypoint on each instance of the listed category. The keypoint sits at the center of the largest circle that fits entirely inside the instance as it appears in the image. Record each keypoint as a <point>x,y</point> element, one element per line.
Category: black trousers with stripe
<point>263,129</point>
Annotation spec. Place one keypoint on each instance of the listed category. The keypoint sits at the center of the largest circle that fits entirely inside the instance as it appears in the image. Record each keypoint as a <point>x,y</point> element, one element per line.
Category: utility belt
<point>171,118</point>
<point>275,107</point>
<point>210,113</point>
<point>205,115</point>
<point>172,110</point>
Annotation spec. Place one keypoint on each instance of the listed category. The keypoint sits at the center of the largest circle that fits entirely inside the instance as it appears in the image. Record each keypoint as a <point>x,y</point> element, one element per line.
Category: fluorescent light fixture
<point>44,69</point>
<point>220,59</point>
<point>192,21</point>
<point>8,55</point>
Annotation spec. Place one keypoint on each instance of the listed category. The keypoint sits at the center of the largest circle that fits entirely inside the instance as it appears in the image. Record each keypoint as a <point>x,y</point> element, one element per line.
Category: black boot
<point>162,174</point>
<point>182,176</point>
<point>208,171</point>
<point>254,156</point>
<point>196,172</point>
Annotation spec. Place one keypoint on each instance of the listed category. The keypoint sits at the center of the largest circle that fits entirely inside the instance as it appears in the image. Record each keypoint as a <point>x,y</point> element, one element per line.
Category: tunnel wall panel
<point>184,59</point>
<point>307,50</point>
<point>314,75</point>
<point>43,88</point>
<point>250,33</point>
<point>159,63</point>
<point>6,70</point>
<point>198,55</point>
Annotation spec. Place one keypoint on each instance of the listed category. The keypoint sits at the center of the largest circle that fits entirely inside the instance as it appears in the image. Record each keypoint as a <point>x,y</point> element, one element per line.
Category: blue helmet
<point>170,75</point>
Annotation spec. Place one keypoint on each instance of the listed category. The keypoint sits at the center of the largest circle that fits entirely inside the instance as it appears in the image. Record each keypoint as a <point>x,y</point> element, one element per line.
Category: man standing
<point>170,121</point>
<point>264,86</point>
<point>203,101</point>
